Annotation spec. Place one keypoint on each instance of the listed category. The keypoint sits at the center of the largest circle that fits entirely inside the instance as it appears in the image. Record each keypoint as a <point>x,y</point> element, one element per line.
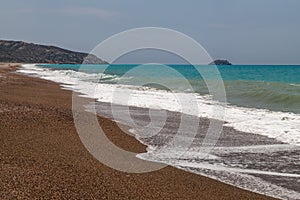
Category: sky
<point>242,31</point>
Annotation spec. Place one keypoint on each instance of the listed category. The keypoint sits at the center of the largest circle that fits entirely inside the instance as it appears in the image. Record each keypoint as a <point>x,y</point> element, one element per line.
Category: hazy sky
<point>243,31</point>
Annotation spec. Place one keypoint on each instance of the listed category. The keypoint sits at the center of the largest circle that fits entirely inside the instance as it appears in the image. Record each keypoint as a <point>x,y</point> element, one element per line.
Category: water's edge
<point>242,183</point>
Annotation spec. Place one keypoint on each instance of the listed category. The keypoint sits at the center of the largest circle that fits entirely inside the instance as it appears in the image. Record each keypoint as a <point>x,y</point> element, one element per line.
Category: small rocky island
<point>220,62</point>
<point>22,52</point>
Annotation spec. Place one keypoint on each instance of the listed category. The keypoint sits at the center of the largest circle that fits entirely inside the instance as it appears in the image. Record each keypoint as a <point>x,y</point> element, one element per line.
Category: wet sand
<point>42,156</point>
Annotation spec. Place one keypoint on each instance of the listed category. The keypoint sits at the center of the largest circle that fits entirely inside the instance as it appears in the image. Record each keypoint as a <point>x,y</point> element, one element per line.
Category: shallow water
<point>274,87</point>
<point>259,147</point>
<point>246,160</point>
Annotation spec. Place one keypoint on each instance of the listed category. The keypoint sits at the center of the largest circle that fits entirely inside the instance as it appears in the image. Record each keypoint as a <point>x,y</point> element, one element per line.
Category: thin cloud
<point>72,11</point>
<point>86,11</point>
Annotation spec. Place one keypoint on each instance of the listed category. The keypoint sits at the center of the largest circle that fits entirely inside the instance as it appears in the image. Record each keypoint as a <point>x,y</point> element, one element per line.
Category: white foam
<point>297,85</point>
<point>235,169</point>
<point>270,148</point>
<point>233,174</point>
<point>283,126</point>
<point>243,181</point>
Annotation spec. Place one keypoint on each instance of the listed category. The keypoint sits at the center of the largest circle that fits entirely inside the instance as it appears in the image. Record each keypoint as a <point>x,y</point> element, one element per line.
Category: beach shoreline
<point>43,157</point>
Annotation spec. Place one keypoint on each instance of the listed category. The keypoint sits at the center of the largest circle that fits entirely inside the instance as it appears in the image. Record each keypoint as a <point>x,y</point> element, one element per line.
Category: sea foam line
<point>283,126</point>
<point>257,121</point>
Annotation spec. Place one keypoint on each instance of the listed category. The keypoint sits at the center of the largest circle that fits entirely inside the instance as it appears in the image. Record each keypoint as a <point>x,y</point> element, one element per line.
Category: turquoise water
<point>275,87</point>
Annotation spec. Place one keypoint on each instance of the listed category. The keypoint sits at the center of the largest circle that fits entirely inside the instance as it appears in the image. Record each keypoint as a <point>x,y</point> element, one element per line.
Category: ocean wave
<point>274,96</point>
<point>297,85</point>
<point>280,125</point>
<point>269,95</point>
<point>283,126</point>
<point>66,75</point>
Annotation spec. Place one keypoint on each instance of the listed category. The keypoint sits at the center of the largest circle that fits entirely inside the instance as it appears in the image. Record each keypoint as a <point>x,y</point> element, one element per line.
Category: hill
<point>22,52</point>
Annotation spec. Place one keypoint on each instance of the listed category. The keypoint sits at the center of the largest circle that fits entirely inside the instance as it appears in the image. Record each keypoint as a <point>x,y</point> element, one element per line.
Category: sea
<point>259,146</point>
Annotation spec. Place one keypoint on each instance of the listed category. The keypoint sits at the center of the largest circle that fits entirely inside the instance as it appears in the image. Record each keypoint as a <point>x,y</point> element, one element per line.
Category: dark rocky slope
<point>221,62</point>
<point>22,52</point>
